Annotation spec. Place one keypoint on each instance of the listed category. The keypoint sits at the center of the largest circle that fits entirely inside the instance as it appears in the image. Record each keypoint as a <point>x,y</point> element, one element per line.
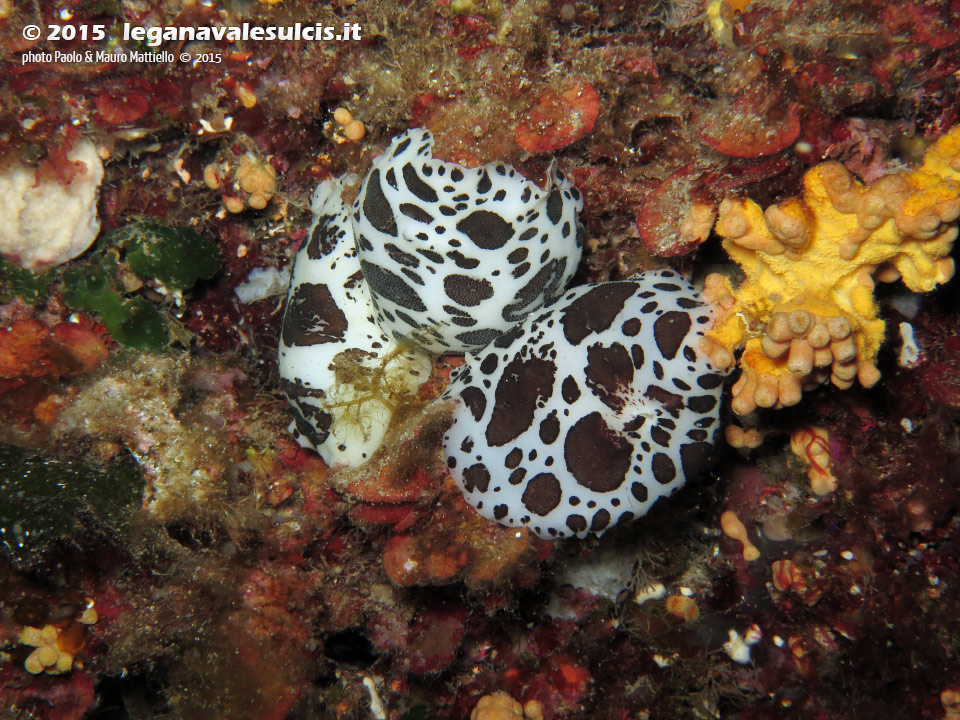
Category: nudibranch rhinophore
<point>339,370</point>
<point>587,413</point>
<point>455,256</point>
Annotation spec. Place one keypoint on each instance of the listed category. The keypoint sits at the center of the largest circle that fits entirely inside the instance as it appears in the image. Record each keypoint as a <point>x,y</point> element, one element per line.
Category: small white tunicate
<point>664,661</point>
<point>263,283</point>
<point>376,704</point>
<point>654,591</point>
<point>909,352</point>
<point>737,648</point>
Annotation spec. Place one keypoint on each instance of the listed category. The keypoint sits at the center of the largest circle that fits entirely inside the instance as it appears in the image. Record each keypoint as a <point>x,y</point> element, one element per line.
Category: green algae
<point>417,712</point>
<point>16,281</point>
<point>176,256</point>
<point>172,258</point>
<point>42,498</point>
<point>133,322</point>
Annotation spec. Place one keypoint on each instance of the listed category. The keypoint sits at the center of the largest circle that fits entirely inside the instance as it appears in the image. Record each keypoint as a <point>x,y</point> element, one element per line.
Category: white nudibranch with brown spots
<point>574,414</point>
<point>587,413</point>
<point>432,255</point>
<point>337,367</point>
<point>455,256</point>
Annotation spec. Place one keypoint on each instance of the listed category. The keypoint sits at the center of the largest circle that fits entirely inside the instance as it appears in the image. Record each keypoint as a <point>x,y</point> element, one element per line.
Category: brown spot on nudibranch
<point>670,330</point>
<point>391,287</point>
<point>596,455</point>
<point>476,478</point>
<point>577,523</point>
<point>594,311</point>
<point>466,290</point>
<point>549,428</point>
<point>631,327</point>
<point>377,208</point>
<point>475,399</point>
<point>702,404</point>
<point>517,476</point>
<point>555,206</point>
<point>569,390</point>
<point>416,185</point>
<point>312,317</point>
<point>639,491</point>
<point>540,285</point>
<point>664,471</point>
<point>542,494</point>
<point>415,212</point>
<point>601,519</point>
<point>609,373</point>
<point>524,383</point>
<point>324,237</point>
<point>486,229</point>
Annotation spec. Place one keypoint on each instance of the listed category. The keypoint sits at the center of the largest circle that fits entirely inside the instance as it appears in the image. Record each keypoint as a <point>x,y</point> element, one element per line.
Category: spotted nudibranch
<point>431,256</point>
<point>330,329</point>
<point>586,414</point>
<point>455,256</point>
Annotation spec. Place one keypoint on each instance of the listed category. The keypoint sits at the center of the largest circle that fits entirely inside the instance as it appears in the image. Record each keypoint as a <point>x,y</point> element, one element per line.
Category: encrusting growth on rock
<point>55,646</point>
<point>805,312</point>
<point>47,222</point>
<point>500,706</point>
<point>249,182</point>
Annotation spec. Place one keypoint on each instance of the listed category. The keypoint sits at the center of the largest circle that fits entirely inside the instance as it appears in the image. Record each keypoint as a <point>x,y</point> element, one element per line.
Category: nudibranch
<point>574,411</point>
<point>455,256</point>
<point>433,257</point>
<point>338,369</point>
<point>587,413</point>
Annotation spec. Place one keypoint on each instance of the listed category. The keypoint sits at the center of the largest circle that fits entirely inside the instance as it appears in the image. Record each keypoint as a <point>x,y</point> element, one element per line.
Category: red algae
<point>742,133</point>
<point>559,118</point>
